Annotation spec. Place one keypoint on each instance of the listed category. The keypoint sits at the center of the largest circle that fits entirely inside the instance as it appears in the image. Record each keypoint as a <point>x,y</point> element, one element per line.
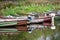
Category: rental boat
<point>5,23</point>
<point>11,24</point>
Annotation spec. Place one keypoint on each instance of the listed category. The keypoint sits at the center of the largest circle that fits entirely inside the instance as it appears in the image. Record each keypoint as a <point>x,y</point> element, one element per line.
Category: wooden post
<point>52,15</point>
<point>53,21</point>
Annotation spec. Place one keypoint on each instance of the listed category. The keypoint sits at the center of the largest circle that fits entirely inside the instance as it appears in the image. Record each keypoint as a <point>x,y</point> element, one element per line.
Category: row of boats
<point>19,24</point>
<point>24,23</point>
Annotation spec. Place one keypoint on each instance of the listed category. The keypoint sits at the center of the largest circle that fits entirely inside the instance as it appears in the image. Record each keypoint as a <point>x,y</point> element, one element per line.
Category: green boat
<point>8,30</point>
<point>57,20</point>
<point>7,23</point>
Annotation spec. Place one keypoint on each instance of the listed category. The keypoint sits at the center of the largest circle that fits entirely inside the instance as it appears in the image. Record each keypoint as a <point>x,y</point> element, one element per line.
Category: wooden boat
<point>47,21</point>
<point>7,22</point>
<point>39,20</point>
<point>17,23</point>
<point>22,28</point>
<point>11,25</point>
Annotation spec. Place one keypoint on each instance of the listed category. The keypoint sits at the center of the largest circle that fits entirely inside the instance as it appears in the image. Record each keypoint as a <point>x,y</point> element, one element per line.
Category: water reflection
<point>52,36</point>
<point>35,26</point>
<point>41,38</point>
<point>56,35</point>
<point>49,37</point>
<point>46,38</point>
<point>42,33</point>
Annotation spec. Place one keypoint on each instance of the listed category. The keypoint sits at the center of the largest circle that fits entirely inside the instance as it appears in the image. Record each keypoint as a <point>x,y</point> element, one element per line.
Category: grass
<point>13,10</point>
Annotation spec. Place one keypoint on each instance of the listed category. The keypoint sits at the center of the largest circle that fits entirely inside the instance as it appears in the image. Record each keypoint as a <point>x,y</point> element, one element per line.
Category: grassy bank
<point>13,10</point>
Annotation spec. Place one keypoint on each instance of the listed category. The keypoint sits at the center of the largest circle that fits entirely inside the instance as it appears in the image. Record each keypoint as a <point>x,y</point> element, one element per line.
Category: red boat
<point>17,23</point>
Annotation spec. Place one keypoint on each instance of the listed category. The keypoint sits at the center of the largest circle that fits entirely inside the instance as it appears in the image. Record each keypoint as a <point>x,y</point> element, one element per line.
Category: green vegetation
<point>11,9</point>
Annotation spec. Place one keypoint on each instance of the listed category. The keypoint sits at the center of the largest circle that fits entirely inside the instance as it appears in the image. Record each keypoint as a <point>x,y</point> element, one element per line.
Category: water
<point>47,33</point>
<point>49,37</point>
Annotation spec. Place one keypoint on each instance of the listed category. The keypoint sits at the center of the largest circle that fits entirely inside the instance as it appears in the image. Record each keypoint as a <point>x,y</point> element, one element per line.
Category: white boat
<point>36,20</point>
